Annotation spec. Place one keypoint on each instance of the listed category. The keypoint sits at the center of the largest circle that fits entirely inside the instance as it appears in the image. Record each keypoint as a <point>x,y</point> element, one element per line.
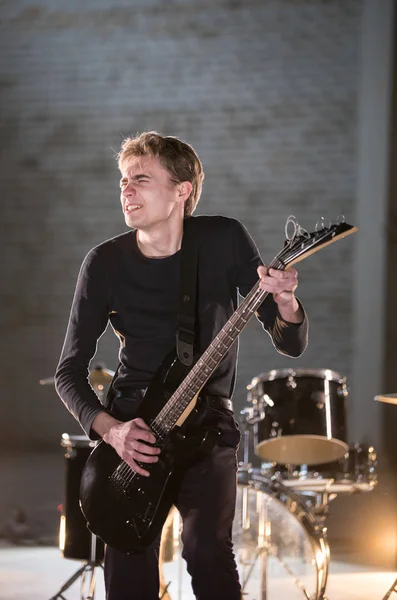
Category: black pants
<point>206,502</point>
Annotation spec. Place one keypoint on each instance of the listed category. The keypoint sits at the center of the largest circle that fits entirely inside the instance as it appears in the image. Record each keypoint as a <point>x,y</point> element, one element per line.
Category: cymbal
<point>100,376</point>
<point>388,398</point>
<point>97,376</point>
<point>47,381</point>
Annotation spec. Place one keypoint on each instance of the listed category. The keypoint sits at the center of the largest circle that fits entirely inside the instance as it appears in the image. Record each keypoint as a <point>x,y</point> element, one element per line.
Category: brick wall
<point>265,92</point>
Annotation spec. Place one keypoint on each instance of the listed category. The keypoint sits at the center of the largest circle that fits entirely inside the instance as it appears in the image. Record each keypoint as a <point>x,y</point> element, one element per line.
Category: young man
<point>133,280</point>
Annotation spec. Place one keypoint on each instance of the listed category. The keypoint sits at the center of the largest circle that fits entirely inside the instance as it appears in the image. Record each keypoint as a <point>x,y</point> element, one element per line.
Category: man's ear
<point>185,189</point>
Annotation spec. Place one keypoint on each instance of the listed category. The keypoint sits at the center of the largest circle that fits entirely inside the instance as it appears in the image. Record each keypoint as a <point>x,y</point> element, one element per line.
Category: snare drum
<point>360,466</point>
<point>74,538</point>
<point>279,545</point>
<point>299,415</point>
<point>355,472</point>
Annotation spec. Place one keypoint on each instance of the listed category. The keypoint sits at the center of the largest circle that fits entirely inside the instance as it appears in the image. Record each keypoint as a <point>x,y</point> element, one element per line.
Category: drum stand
<point>262,553</point>
<point>392,589</point>
<point>87,570</point>
<point>320,510</point>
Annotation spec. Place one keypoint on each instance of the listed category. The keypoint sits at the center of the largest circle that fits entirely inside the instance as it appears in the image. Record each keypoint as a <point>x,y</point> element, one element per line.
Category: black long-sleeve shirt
<point>140,297</point>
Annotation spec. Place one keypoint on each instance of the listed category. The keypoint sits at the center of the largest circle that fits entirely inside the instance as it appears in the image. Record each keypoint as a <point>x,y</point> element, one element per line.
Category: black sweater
<point>140,297</point>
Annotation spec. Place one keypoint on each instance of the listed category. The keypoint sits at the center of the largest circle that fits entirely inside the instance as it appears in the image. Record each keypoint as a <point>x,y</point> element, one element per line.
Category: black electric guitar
<point>128,510</point>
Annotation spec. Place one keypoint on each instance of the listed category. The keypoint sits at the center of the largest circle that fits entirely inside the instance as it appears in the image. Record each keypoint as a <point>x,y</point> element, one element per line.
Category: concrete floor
<point>36,570</point>
<point>38,573</point>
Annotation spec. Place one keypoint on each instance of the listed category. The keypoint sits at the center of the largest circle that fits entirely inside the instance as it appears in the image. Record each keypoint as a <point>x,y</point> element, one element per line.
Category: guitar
<point>128,510</point>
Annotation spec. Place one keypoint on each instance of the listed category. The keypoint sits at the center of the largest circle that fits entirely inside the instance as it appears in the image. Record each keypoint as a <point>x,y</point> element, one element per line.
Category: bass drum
<point>280,547</point>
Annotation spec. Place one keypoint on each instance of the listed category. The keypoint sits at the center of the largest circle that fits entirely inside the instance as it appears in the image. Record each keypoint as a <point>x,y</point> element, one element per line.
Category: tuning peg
<point>291,228</point>
<point>321,225</point>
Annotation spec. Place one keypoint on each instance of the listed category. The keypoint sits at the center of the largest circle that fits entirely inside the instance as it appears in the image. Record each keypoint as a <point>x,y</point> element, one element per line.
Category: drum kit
<point>295,425</point>
<point>296,460</point>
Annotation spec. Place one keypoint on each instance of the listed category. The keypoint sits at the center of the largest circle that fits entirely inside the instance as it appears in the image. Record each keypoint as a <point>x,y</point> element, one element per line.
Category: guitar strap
<point>185,335</point>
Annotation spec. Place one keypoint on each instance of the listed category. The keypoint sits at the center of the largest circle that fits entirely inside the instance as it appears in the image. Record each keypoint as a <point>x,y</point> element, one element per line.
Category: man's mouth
<point>132,207</point>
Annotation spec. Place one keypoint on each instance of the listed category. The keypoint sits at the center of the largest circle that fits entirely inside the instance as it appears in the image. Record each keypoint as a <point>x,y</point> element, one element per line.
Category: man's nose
<point>129,190</point>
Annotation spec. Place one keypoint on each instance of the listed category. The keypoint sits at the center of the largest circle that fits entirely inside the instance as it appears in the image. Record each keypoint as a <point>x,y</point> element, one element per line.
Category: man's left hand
<point>282,284</point>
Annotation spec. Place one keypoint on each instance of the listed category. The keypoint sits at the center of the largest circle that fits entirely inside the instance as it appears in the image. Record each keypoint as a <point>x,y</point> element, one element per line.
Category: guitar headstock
<point>300,243</point>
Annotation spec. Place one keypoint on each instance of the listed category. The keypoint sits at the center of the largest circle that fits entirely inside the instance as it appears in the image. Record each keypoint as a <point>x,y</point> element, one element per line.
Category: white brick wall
<point>266,93</point>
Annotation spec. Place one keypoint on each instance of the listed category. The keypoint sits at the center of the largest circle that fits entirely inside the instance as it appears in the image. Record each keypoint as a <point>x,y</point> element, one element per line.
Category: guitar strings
<point>224,338</point>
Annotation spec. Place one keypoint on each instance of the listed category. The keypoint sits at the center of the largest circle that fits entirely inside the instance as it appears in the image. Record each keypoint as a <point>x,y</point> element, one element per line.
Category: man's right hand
<point>128,439</point>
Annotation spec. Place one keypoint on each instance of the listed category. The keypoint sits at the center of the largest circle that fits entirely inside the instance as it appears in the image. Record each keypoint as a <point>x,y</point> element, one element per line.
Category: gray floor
<point>36,570</point>
<point>38,573</point>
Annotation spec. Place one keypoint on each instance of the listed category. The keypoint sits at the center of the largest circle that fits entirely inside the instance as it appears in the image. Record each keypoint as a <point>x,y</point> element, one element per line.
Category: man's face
<point>148,196</point>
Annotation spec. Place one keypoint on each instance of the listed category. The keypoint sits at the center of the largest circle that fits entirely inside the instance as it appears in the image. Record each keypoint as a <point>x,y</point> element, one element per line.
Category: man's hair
<point>180,160</point>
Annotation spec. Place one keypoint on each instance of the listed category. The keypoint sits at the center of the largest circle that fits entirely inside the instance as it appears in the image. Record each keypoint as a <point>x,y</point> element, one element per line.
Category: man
<point>133,280</point>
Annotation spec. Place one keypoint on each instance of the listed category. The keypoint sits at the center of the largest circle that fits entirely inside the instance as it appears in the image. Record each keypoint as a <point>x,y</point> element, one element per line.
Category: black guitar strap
<point>185,336</point>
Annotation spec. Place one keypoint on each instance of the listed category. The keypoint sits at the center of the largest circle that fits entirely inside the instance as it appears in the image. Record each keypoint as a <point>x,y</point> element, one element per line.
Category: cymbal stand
<point>391,590</point>
<point>247,422</point>
<point>262,551</point>
<point>390,399</point>
<point>87,588</point>
<point>296,580</point>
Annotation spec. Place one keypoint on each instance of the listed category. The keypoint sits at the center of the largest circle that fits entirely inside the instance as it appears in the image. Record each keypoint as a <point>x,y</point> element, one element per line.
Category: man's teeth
<point>133,207</point>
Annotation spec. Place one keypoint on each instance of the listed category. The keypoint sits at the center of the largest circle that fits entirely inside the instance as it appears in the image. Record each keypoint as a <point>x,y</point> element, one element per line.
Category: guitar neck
<point>219,347</point>
<point>210,359</point>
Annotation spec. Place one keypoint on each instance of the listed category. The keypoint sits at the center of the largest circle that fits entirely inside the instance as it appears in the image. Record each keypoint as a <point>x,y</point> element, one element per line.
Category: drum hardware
<point>391,590</point>
<point>87,588</point>
<point>304,415</point>
<point>318,534</point>
<point>388,399</point>
<point>317,485</point>
<point>75,540</point>
<point>355,472</point>
<point>280,546</point>
<point>254,413</point>
<point>319,504</point>
<point>245,424</point>
<point>263,545</point>
<point>296,580</point>
<point>263,552</point>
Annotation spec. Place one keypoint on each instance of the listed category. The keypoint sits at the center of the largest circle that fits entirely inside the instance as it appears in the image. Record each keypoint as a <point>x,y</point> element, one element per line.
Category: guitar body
<point>126,510</point>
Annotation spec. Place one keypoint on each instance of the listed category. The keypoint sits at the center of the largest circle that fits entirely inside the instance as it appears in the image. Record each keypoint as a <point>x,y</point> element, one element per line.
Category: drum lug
<point>70,453</point>
<point>291,382</point>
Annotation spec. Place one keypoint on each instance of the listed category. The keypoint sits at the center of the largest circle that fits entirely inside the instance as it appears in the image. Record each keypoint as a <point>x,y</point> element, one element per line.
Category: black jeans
<point>206,502</point>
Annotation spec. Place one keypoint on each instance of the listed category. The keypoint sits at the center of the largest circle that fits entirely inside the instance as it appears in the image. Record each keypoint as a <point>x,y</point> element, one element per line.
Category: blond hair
<point>180,160</point>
